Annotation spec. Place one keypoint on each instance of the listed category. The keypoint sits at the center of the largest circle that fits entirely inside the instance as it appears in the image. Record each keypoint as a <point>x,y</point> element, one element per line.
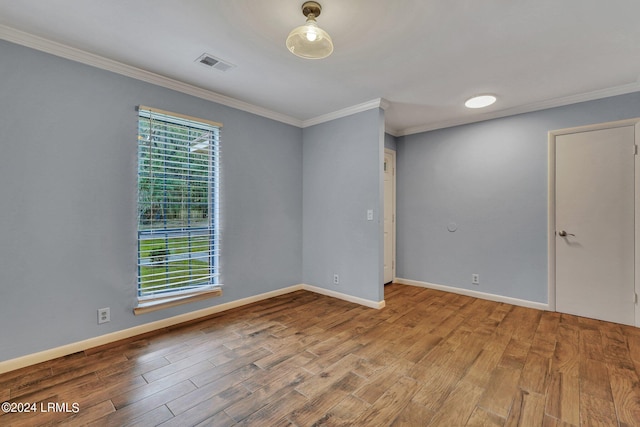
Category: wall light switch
<point>369,214</point>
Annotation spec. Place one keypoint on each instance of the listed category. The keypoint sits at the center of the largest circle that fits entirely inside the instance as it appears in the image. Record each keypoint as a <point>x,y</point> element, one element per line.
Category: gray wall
<point>293,201</point>
<point>390,142</point>
<point>68,213</point>
<point>342,170</point>
<point>490,178</point>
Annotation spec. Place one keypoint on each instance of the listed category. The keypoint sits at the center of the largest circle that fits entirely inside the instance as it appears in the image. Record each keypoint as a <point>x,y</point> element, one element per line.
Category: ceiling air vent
<point>211,61</point>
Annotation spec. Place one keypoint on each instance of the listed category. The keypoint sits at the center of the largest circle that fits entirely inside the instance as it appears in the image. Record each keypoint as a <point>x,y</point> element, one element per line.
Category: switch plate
<point>475,279</point>
<point>369,214</point>
<point>336,279</point>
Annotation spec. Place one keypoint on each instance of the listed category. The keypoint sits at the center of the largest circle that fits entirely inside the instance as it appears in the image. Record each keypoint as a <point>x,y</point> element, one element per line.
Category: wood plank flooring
<point>429,358</point>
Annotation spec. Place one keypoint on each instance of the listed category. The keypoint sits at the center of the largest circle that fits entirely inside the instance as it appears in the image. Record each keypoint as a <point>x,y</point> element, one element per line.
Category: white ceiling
<point>424,56</point>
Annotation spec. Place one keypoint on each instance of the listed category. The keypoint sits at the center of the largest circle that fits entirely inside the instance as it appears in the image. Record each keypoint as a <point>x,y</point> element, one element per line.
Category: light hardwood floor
<point>429,358</point>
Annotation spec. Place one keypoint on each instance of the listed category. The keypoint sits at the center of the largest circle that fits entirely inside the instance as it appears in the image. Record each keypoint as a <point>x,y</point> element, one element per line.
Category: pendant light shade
<point>310,41</point>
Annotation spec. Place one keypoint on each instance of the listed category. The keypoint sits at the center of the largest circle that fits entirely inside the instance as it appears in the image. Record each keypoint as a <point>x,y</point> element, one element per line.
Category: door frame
<point>551,223</point>
<point>392,153</point>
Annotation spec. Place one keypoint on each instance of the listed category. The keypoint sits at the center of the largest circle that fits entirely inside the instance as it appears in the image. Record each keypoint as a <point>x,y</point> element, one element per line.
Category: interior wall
<point>68,217</point>
<point>342,170</point>
<point>490,180</point>
<point>390,142</point>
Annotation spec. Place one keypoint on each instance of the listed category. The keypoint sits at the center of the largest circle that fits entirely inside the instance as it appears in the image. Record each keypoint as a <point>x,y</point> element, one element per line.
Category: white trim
<point>392,153</point>
<point>597,126</point>
<point>77,55</point>
<point>392,131</point>
<point>43,356</point>
<point>551,221</point>
<point>536,106</point>
<point>365,106</point>
<point>475,294</point>
<point>637,224</point>
<point>367,303</point>
<point>64,51</point>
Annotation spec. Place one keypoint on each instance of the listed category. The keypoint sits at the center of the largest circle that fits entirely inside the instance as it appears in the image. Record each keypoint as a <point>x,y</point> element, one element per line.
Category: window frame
<point>188,292</point>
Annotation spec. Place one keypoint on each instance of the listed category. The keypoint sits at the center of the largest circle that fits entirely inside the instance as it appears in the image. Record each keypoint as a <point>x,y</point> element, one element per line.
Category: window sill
<point>147,306</point>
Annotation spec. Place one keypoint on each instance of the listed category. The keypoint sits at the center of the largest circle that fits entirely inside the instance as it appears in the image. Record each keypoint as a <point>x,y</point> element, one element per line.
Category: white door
<point>389,215</point>
<point>595,228</point>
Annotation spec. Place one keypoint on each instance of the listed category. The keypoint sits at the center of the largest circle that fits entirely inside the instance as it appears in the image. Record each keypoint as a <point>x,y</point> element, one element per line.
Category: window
<point>178,179</point>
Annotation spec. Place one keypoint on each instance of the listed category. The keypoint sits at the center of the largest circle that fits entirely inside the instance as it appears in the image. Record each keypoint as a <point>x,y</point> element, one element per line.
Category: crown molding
<point>64,51</point>
<point>365,106</point>
<point>384,104</point>
<point>528,108</point>
<point>77,55</point>
<point>391,131</point>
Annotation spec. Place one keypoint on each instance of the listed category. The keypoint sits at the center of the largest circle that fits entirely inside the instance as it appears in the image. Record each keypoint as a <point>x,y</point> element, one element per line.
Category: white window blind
<point>178,215</point>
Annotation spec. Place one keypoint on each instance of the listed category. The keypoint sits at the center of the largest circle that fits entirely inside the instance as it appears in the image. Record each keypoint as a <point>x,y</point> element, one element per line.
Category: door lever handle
<point>565,234</point>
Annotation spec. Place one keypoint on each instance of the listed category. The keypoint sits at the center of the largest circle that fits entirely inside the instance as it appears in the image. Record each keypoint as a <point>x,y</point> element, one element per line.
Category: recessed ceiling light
<point>480,101</point>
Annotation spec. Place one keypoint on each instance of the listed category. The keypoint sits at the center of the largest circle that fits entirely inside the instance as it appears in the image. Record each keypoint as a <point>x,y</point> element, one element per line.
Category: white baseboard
<point>475,294</point>
<point>366,302</point>
<point>43,356</point>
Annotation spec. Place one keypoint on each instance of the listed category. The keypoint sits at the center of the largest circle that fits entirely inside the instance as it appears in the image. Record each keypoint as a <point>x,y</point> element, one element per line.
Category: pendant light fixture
<point>310,41</point>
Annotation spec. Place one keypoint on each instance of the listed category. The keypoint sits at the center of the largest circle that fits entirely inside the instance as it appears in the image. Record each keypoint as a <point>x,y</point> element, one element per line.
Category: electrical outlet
<point>475,279</point>
<point>369,214</point>
<point>104,315</point>
<point>336,279</point>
